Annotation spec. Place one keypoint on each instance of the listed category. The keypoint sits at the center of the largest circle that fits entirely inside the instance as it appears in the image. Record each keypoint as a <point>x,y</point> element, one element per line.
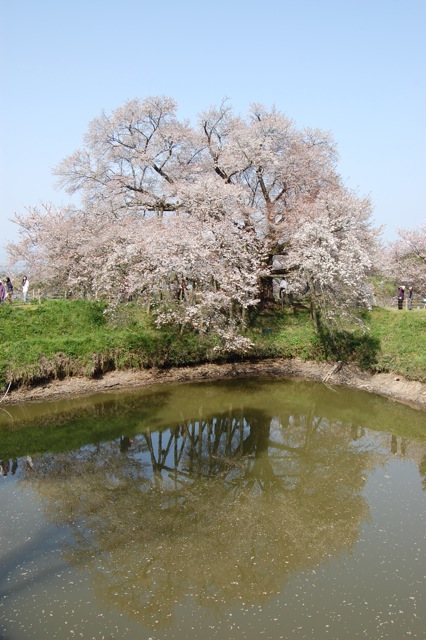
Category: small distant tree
<point>406,258</point>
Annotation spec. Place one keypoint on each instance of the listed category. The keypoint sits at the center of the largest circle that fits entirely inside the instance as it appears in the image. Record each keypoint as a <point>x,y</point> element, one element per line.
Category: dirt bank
<point>385,384</point>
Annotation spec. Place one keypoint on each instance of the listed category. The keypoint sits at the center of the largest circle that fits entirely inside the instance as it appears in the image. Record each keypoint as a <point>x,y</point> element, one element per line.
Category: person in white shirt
<point>283,287</point>
<point>25,287</point>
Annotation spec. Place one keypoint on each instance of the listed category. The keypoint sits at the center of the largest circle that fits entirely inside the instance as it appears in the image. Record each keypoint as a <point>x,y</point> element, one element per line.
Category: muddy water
<point>243,509</point>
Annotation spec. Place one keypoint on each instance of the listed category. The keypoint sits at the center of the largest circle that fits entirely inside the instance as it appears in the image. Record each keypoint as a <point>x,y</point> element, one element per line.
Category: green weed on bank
<point>402,338</point>
<point>60,338</point>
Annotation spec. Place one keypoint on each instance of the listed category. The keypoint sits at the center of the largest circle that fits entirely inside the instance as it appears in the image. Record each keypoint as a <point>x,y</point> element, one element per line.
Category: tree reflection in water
<point>219,509</point>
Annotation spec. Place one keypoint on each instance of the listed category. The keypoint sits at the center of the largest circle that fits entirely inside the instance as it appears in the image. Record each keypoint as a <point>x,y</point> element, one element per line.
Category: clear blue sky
<point>356,69</point>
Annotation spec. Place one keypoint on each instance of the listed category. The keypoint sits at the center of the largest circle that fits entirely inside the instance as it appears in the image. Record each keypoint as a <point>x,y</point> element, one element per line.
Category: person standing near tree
<point>410,298</point>
<point>401,295</point>
<point>9,290</point>
<point>181,290</point>
<point>25,287</point>
<point>2,292</point>
<point>283,288</point>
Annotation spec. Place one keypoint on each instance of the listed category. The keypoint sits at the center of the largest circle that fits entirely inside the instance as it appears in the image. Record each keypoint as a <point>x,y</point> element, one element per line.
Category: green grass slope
<point>59,338</point>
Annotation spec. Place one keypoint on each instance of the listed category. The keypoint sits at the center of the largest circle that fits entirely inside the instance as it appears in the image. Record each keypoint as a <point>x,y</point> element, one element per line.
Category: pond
<point>239,509</point>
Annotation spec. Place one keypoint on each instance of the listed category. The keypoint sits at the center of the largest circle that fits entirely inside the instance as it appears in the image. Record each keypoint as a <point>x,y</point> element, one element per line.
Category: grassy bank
<point>60,338</point>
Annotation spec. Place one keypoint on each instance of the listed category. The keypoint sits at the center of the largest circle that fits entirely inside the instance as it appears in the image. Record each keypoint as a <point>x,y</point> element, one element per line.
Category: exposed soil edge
<point>386,384</point>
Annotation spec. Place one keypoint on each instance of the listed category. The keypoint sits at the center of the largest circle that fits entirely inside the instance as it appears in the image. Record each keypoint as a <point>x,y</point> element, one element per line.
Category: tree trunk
<point>266,292</point>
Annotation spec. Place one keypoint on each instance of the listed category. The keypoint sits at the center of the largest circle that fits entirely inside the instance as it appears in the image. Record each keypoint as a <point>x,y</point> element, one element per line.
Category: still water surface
<point>233,510</point>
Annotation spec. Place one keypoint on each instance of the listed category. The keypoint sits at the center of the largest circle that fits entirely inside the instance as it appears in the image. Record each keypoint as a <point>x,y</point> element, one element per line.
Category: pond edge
<point>389,385</point>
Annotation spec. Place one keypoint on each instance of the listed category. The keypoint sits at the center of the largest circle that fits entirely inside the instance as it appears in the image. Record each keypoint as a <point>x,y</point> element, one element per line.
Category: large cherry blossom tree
<point>163,201</point>
<point>331,250</point>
